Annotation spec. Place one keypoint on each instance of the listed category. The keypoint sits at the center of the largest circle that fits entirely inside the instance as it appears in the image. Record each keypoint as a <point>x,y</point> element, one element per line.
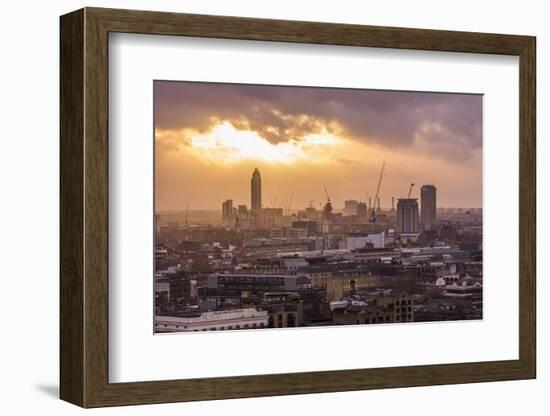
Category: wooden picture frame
<point>84,207</point>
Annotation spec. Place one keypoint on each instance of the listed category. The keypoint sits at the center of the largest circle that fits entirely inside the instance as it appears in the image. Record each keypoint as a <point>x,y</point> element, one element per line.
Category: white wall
<point>29,208</point>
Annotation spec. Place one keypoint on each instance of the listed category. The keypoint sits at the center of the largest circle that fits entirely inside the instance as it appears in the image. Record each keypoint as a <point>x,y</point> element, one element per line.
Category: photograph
<point>293,206</point>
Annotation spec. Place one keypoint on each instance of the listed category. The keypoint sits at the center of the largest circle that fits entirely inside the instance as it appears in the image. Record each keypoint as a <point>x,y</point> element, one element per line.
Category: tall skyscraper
<point>407,215</point>
<point>227,212</point>
<point>428,212</point>
<point>256,190</point>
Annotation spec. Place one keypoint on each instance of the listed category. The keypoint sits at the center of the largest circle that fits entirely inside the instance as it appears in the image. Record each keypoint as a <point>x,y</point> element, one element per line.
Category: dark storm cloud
<point>448,124</point>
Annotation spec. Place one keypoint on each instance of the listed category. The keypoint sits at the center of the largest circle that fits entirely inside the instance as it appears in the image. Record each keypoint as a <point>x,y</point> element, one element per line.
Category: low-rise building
<point>465,292</point>
<point>258,282</point>
<point>341,284</point>
<point>249,288</point>
<point>294,263</point>
<point>401,303</point>
<point>359,241</point>
<point>284,314</point>
<point>212,321</point>
<point>362,314</point>
<point>403,308</point>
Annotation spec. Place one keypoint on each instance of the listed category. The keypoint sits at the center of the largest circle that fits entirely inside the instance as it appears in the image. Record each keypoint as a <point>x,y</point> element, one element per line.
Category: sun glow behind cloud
<point>224,144</point>
<point>209,138</point>
<point>213,164</point>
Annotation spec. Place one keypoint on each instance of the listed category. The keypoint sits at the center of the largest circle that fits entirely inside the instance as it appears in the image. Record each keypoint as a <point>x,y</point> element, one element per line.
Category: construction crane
<point>289,204</point>
<point>327,209</point>
<point>410,190</point>
<point>373,210</point>
<point>326,193</point>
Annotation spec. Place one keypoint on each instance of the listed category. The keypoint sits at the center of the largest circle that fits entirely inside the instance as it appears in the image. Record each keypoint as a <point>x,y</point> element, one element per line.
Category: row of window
<point>245,326</point>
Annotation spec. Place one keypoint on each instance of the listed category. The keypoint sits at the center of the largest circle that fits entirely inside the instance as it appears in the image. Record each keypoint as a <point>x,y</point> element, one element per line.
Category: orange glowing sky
<point>209,137</point>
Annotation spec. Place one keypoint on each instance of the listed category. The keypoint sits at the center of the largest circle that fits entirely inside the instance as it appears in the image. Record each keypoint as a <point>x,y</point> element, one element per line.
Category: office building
<point>428,206</point>
<point>350,207</point>
<point>256,190</point>
<point>252,282</point>
<point>284,315</point>
<point>362,314</point>
<point>359,241</point>
<point>342,284</point>
<point>309,226</point>
<point>242,211</point>
<point>362,210</point>
<point>407,215</point>
<point>212,320</point>
<point>227,212</point>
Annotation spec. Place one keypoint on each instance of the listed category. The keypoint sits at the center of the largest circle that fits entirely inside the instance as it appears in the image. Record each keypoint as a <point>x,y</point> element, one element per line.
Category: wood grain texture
<point>71,185</point>
<point>527,208</point>
<point>84,207</point>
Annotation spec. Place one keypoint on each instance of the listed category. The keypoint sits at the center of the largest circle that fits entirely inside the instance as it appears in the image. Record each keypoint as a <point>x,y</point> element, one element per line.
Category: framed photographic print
<point>255,207</point>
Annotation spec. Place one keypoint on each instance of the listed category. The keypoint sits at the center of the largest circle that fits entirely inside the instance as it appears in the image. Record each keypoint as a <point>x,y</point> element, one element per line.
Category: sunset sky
<point>209,137</point>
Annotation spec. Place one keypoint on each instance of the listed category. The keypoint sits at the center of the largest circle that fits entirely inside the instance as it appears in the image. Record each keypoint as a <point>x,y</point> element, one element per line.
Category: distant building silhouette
<point>350,207</point>
<point>227,212</point>
<point>256,190</point>
<point>428,206</point>
<point>407,215</point>
<point>362,210</point>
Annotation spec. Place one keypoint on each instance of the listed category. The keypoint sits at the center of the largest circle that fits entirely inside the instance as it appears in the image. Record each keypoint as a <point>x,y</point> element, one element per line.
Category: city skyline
<point>323,207</point>
<point>337,205</point>
<point>210,137</point>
